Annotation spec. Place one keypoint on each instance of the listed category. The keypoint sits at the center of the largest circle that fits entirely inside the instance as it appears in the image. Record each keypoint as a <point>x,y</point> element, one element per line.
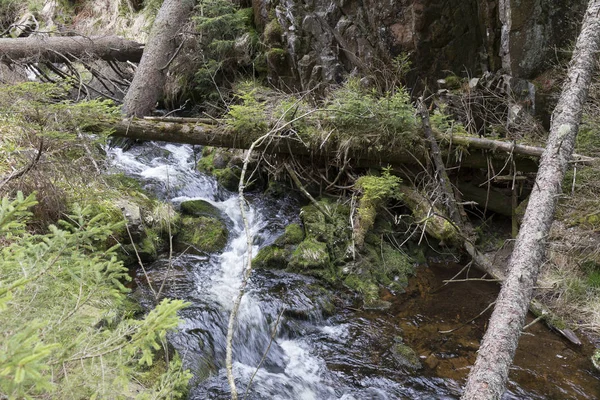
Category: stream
<point>321,344</point>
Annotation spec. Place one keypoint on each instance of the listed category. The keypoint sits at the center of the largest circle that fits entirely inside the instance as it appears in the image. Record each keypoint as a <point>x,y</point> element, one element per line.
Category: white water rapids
<point>313,356</point>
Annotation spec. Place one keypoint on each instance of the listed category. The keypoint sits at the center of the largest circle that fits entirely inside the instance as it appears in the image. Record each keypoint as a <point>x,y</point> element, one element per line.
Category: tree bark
<point>147,85</point>
<point>57,49</point>
<point>206,134</point>
<point>488,377</point>
<point>454,209</point>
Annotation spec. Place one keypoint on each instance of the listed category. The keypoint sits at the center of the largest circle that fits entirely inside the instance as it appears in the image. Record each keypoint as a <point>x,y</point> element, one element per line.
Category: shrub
<point>65,321</point>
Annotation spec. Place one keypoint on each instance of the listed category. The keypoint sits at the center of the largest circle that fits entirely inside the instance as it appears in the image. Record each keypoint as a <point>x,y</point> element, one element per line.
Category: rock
<point>203,234</point>
<point>405,356</point>
<point>328,40</point>
<point>133,215</point>
<point>294,235</point>
<point>533,29</point>
<point>377,304</point>
<point>310,254</point>
<point>272,257</point>
<point>200,208</point>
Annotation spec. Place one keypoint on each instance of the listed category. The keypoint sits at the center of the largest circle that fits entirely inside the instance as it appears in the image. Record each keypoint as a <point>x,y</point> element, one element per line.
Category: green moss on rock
<point>271,257</point>
<point>228,177</point>
<point>294,234</point>
<point>310,254</point>
<point>206,234</point>
<point>273,33</point>
<point>364,286</point>
<point>405,356</point>
<point>200,208</point>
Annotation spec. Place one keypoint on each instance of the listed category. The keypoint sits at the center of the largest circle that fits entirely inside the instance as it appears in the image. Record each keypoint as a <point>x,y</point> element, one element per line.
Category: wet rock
<point>294,234</point>
<point>200,208</point>
<point>272,257</point>
<point>432,362</point>
<point>202,235</point>
<point>310,254</point>
<point>404,356</point>
<point>377,305</point>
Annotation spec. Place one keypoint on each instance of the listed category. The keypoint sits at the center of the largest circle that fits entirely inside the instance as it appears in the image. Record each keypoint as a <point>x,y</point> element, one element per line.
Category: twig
<point>28,168</point>
<point>541,317</point>
<point>452,279</point>
<point>141,263</point>
<point>247,271</point>
<point>314,202</point>
<point>472,280</point>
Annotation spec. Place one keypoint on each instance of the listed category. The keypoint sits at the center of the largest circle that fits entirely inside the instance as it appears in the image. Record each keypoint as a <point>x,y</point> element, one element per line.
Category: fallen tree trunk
<point>58,49</point>
<point>489,375</point>
<point>148,83</point>
<point>208,134</point>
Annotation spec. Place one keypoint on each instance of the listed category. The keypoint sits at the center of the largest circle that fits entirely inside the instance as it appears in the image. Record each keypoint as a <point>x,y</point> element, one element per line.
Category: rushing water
<point>313,353</point>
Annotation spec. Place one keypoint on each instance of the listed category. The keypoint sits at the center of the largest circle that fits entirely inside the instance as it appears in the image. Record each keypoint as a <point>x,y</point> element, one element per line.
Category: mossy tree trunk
<point>488,377</point>
<point>72,48</point>
<point>193,131</point>
<point>147,85</point>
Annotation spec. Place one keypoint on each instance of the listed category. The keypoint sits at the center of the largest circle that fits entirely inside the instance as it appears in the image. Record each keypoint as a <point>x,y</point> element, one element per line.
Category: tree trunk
<point>488,377</point>
<point>147,85</point>
<point>455,211</point>
<point>194,131</point>
<point>57,49</point>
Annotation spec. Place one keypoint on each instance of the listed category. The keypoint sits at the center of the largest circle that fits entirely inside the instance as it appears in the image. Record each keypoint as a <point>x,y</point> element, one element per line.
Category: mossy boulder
<point>277,255</point>
<point>226,166</point>
<point>228,177</point>
<point>294,235</point>
<point>323,249</point>
<point>200,208</point>
<point>405,356</point>
<point>203,234</point>
<point>336,233</point>
<point>273,33</point>
<point>273,257</point>
<point>309,255</point>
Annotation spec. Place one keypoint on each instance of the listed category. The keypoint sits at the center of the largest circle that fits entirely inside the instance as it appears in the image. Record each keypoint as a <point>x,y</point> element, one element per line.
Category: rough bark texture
<point>147,85</point>
<point>488,377</point>
<point>194,131</point>
<point>56,49</point>
<point>454,211</point>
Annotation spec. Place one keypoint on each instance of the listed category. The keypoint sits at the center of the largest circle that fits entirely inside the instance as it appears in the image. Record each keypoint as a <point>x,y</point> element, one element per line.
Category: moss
<point>405,356</point>
<point>206,163</point>
<point>271,257</point>
<point>200,208</point>
<point>310,254</point>
<point>337,233</point>
<point>203,233</point>
<point>453,82</point>
<point>277,59</point>
<point>273,33</point>
<point>294,234</point>
<point>275,189</point>
<point>228,177</point>
<point>152,374</point>
<point>593,279</point>
<point>366,287</point>
<point>147,250</point>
